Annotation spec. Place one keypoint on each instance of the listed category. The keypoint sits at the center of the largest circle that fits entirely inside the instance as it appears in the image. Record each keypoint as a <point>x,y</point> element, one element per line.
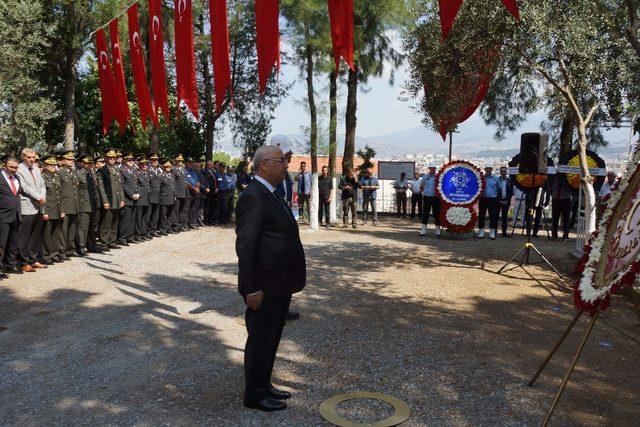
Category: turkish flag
<point>156,54</point>
<point>220,50</point>
<point>139,71</point>
<point>267,39</point>
<point>512,7</point>
<point>107,84</point>
<point>187,90</point>
<point>120,87</point>
<point>449,11</point>
<point>341,20</point>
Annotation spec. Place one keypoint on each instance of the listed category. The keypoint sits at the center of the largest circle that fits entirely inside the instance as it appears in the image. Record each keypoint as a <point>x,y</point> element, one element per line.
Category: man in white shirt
<point>605,190</point>
<point>32,200</point>
<point>416,195</point>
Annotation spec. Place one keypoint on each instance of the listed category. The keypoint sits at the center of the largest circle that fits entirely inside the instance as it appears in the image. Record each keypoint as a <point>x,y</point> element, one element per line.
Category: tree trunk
<point>586,182</point>
<point>313,138</point>
<point>350,119</point>
<point>566,133</point>
<point>71,75</point>
<point>333,121</point>
<point>209,114</point>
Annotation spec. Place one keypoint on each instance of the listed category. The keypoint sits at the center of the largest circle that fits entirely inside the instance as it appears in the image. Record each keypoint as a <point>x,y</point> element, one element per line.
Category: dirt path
<point>150,335</point>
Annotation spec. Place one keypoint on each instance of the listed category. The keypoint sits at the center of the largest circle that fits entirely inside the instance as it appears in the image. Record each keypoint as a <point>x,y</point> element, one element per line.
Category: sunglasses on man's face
<point>279,160</point>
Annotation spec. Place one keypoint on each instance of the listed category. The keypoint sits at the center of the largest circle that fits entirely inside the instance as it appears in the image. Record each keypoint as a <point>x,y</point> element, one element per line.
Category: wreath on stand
<point>459,185</point>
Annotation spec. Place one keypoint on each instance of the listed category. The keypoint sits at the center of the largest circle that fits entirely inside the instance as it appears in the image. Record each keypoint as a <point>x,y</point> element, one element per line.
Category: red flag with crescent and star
<point>156,56</point>
<point>139,71</point>
<point>187,89</point>
<point>341,21</point>
<point>449,10</point>
<point>107,83</point>
<point>267,39</point>
<point>120,93</point>
<point>220,50</point>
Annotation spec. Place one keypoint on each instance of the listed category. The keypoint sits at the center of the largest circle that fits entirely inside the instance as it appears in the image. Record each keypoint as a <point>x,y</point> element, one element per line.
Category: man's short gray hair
<point>26,151</point>
<point>260,155</point>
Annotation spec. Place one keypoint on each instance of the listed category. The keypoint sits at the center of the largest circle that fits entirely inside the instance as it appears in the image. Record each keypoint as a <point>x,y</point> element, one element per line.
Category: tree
<point>367,155</point>
<point>573,52</point>
<point>24,105</point>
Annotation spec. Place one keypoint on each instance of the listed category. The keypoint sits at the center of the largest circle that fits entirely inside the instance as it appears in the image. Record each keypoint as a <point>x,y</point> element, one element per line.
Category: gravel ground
<point>149,335</point>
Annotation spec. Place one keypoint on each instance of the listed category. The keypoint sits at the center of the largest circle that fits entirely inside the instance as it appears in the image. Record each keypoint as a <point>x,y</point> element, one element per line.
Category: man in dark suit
<point>504,198</point>
<point>10,216</point>
<point>271,267</point>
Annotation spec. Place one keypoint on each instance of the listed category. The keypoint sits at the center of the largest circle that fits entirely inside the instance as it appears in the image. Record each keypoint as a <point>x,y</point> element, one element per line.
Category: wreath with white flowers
<point>588,295</point>
<point>461,179</point>
<point>458,219</point>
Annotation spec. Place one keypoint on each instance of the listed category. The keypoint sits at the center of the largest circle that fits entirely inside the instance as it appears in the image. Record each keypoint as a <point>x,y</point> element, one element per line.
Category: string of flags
<point>154,101</point>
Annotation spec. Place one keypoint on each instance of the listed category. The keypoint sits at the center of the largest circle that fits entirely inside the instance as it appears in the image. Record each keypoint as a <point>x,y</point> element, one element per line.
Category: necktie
<point>14,189</point>
<point>302,182</point>
<point>31,172</point>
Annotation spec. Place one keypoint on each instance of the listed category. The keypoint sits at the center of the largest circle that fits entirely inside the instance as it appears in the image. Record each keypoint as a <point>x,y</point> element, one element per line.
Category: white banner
<point>576,170</point>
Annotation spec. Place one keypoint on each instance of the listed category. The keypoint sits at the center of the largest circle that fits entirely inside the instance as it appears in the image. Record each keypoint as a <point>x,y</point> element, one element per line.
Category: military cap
<point>143,160</point>
<point>167,162</point>
<point>111,153</point>
<point>69,155</point>
<point>50,159</point>
<point>98,159</point>
<point>129,156</point>
<point>179,158</point>
<point>118,153</point>
<point>87,159</point>
<point>154,156</point>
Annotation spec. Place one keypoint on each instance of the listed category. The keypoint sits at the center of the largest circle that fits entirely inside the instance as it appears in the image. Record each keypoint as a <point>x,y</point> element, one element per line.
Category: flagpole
<point>115,17</point>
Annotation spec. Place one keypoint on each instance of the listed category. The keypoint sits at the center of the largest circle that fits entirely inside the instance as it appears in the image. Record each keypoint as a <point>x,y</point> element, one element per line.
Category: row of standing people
<point>66,206</point>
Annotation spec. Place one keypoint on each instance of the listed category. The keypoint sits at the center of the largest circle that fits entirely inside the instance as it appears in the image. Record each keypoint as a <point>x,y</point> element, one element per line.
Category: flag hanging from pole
<point>120,88</point>
<point>449,11</point>
<point>267,39</point>
<point>156,54</point>
<point>139,71</point>
<point>187,90</point>
<point>341,21</point>
<point>220,50</point>
<point>106,82</point>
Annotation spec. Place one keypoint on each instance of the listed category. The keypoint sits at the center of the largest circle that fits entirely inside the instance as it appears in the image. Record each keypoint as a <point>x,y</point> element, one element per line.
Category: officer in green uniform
<point>112,200</point>
<point>70,202</point>
<point>167,198</point>
<point>88,196</point>
<point>153,172</point>
<point>142,208</point>
<point>94,232</point>
<point>52,212</point>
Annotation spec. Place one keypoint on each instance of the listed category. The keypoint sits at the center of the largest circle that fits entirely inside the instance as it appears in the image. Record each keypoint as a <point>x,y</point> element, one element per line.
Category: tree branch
<point>592,111</point>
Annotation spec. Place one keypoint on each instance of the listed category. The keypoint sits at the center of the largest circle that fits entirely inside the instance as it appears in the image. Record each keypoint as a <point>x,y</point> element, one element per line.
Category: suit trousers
<point>124,224</point>
<point>429,204</point>
<point>9,243</point>
<point>324,207</point>
<point>154,216</point>
<point>401,203</point>
<point>264,328</point>
<point>349,204</point>
<point>221,208</point>
<point>416,199</point>
<point>503,211</point>
<point>489,204</point>
<point>184,212</point>
<point>210,208</point>
<point>52,238</point>
<point>142,220</point>
<point>69,228</point>
<point>231,198</point>
<point>166,217</point>
<point>109,226</point>
<point>30,239</point>
<point>303,200</point>
<point>84,228</point>
<point>194,210</point>
<point>560,207</point>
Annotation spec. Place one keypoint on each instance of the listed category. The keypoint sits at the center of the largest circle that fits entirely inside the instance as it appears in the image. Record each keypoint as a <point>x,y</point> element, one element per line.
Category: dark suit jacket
<point>9,204</point>
<point>270,253</point>
<point>129,185</point>
<point>288,183</point>
<point>509,190</point>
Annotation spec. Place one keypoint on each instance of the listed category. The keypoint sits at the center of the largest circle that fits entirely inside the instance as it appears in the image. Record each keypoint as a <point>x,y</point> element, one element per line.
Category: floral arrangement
<point>587,296</point>
<point>459,216</point>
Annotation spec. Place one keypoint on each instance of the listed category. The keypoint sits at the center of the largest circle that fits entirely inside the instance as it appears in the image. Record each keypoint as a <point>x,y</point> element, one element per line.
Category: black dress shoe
<point>293,315</point>
<point>113,246</point>
<point>3,275</point>
<point>123,243</point>
<point>82,252</point>
<point>64,257</point>
<point>45,262</point>
<point>267,404</point>
<point>12,270</point>
<point>279,394</point>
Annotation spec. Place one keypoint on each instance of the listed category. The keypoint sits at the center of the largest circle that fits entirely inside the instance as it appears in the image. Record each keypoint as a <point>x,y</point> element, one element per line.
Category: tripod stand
<point>525,251</point>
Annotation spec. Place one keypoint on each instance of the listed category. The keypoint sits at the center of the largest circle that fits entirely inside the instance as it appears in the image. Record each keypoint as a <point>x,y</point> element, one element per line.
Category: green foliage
<point>367,155</point>
<point>24,104</point>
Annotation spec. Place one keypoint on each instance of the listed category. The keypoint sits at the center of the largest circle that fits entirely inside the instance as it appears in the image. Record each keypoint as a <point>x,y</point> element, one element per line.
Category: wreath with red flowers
<point>595,285</point>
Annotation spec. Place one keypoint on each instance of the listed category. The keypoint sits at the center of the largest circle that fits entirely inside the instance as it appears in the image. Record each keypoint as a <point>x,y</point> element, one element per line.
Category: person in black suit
<point>10,216</point>
<point>271,267</point>
<point>504,198</point>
